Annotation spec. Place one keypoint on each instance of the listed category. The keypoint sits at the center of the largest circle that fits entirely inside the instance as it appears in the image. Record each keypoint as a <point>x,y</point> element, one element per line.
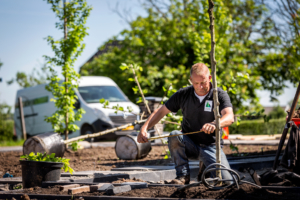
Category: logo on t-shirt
<point>208,106</point>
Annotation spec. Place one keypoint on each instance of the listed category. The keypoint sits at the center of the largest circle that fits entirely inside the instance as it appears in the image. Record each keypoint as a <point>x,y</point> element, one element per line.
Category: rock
<point>177,182</point>
<point>167,181</point>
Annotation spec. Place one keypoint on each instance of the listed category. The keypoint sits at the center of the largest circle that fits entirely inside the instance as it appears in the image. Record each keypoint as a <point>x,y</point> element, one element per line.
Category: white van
<point>37,105</point>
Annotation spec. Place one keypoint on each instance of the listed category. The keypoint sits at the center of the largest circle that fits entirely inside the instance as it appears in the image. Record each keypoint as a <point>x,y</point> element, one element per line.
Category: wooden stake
<point>22,118</point>
<point>145,102</point>
<point>215,89</point>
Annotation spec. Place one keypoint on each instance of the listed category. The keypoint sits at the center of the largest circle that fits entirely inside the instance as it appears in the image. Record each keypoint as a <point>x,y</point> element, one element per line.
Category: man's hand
<point>142,136</point>
<point>208,128</point>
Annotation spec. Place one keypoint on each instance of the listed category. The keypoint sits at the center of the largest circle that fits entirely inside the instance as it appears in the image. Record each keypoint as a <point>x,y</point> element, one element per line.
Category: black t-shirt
<point>196,114</point>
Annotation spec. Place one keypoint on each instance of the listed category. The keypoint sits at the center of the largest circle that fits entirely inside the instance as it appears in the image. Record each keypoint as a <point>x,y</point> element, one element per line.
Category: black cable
<point>236,180</point>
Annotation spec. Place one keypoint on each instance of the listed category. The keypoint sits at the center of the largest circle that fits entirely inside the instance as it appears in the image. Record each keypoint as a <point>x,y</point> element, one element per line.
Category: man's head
<point>200,78</point>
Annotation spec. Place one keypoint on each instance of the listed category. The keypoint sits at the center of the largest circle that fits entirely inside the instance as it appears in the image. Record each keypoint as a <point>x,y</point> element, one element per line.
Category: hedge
<point>258,127</point>
<point>6,130</point>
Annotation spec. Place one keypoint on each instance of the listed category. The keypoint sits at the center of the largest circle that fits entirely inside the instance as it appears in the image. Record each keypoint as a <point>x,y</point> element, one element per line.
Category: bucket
<point>296,121</point>
<point>46,142</point>
<point>127,148</point>
<point>35,172</point>
<point>225,133</point>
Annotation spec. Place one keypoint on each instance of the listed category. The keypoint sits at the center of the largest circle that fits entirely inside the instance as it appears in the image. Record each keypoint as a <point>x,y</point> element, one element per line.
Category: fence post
<point>22,118</point>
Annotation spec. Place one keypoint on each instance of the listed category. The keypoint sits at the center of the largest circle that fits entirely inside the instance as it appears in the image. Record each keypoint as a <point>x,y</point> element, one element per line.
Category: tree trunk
<point>215,88</point>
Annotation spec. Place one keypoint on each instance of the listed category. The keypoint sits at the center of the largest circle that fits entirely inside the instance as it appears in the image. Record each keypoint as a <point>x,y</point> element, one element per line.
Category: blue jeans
<point>183,148</point>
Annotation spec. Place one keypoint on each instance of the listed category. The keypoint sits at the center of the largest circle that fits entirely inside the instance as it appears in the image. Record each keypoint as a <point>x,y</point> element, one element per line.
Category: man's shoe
<point>182,180</point>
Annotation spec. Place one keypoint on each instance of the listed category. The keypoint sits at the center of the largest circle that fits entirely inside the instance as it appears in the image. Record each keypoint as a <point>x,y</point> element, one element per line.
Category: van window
<point>92,94</point>
<point>35,101</point>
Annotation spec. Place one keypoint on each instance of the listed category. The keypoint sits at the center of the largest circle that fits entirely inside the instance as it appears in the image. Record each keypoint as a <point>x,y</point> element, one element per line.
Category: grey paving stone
<point>120,189</point>
<point>106,187</point>
<point>136,185</point>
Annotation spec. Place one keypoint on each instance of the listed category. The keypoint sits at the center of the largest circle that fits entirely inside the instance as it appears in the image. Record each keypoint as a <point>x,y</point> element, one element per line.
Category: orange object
<point>225,133</point>
<point>296,121</point>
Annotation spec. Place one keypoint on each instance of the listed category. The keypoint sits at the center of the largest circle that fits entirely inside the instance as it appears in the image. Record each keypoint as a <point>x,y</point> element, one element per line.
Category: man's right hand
<point>142,136</point>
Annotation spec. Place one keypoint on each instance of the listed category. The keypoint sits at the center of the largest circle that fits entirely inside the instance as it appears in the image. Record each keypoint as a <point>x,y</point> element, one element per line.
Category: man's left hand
<point>208,128</point>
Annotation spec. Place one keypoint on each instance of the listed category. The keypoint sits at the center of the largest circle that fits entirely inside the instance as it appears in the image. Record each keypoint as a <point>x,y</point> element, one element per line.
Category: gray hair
<point>200,69</point>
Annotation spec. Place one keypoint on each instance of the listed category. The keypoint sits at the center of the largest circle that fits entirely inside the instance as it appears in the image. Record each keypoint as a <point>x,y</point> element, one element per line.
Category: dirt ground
<point>246,192</point>
<point>104,158</point>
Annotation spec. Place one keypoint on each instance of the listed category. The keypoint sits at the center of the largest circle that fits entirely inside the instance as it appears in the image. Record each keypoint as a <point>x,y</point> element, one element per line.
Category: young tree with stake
<point>72,17</point>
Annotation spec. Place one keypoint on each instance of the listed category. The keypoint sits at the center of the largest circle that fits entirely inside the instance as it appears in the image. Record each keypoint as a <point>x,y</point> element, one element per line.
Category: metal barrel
<point>46,142</point>
<point>127,148</point>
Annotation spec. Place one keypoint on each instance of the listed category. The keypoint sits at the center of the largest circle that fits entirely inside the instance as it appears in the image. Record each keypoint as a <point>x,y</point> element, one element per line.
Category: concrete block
<point>79,190</point>
<point>105,187</point>
<point>136,185</point>
<point>67,187</point>
<point>120,189</point>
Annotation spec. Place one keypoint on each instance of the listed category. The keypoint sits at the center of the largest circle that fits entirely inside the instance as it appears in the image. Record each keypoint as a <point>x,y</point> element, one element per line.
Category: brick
<point>136,185</point>
<point>66,187</point>
<point>105,187</point>
<point>79,190</point>
<point>120,189</point>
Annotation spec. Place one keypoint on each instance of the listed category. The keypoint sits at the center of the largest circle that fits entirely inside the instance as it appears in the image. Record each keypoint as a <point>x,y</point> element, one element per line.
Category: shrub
<point>6,130</point>
<point>258,127</point>
<point>277,113</point>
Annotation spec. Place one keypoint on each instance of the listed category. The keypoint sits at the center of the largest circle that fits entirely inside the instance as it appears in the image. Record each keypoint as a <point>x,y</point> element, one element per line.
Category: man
<point>196,104</point>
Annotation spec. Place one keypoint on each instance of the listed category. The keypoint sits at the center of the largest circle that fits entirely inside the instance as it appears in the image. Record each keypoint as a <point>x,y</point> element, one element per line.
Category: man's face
<point>200,83</point>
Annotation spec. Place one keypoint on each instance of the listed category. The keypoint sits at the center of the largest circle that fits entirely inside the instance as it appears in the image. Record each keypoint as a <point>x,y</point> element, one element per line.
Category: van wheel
<point>87,130</point>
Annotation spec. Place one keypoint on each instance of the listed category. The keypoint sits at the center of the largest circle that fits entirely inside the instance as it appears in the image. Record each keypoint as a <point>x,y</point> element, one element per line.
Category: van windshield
<point>92,94</point>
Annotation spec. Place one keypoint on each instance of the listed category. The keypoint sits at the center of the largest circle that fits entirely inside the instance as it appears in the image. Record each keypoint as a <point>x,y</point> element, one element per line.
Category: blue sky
<point>25,24</point>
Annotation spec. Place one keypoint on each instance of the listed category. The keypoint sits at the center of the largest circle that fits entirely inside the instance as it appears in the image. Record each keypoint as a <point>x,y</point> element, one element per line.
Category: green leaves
<point>75,146</point>
<point>104,102</point>
<point>234,147</point>
<point>131,79</point>
<point>140,100</point>
<point>117,107</point>
<point>43,157</point>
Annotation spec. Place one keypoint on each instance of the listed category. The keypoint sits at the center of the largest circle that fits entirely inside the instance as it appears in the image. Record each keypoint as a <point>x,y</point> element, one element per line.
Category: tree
<point>6,122</point>
<point>175,35</point>
<point>286,17</point>
<point>72,18</point>
<point>36,77</point>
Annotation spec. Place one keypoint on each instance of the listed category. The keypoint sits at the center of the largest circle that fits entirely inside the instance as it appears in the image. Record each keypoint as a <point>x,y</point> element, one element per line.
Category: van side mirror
<point>77,104</point>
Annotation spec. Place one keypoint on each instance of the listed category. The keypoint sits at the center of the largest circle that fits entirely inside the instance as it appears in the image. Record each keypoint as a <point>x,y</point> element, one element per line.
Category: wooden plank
<point>79,190</point>
<point>67,187</point>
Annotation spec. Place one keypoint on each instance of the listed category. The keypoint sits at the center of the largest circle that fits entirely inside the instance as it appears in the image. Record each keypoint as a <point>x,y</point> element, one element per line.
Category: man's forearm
<point>146,125</point>
<point>155,117</point>
<point>226,120</point>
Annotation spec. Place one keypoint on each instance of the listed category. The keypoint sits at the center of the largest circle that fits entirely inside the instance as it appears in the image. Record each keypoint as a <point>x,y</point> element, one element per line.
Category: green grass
<point>11,143</point>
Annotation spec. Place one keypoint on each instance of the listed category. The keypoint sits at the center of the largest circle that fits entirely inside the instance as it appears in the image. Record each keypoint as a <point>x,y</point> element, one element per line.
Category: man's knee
<point>174,139</point>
